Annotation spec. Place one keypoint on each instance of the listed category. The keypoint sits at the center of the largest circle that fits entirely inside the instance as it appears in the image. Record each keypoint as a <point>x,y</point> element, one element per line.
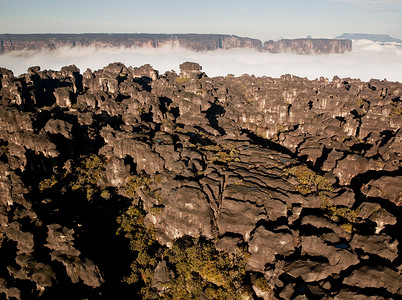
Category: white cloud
<point>367,60</point>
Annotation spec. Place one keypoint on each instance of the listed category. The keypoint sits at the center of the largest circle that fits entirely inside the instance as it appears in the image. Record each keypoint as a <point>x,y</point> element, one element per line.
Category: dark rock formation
<point>309,46</point>
<point>296,181</point>
<point>197,42</point>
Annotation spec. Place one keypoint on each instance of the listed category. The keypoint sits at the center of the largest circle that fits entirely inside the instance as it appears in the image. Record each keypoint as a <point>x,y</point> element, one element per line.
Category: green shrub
<point>83,177</point>
<point>135,183</point>
<point>198,267</point>
<point>143,244</point>
<point>47,183</point>
<point>201,269</point>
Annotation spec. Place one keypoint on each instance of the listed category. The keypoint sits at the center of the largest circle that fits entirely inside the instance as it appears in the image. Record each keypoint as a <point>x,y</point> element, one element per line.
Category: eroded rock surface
<point>304,175</point>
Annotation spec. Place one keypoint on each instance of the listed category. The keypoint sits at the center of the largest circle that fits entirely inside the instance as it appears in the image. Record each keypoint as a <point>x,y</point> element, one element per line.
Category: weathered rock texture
<point>198,42</point>
<point>305,174</point>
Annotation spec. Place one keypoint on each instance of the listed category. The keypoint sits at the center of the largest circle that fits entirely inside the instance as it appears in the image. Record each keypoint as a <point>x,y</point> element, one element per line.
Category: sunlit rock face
<point>304,175</point>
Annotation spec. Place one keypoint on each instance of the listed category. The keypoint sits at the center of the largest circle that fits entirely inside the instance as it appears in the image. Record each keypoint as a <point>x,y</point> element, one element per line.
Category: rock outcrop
<point>292,186</point>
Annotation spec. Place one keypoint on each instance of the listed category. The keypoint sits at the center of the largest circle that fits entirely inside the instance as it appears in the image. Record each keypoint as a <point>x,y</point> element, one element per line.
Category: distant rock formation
<point>197,42</point>
<point>309,46</point>
<point>293,185</point>
<point>382,38</point>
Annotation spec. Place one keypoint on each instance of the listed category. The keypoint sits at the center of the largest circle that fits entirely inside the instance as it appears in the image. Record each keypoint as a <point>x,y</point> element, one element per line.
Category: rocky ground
<point>124,183</point>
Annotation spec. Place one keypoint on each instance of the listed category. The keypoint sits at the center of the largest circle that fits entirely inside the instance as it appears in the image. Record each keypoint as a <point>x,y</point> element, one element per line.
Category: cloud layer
<point>367,60</point>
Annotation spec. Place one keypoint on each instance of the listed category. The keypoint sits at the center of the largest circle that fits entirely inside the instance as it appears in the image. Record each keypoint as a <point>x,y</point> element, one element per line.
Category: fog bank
<point>367,60</point>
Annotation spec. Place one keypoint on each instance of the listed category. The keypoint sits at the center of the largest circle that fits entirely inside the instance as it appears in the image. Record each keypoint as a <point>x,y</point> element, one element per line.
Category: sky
<point>262,19</point>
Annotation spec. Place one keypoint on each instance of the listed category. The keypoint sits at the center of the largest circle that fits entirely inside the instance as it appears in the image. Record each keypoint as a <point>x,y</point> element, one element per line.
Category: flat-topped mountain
<point>123,183</point>
<point>197,42</point>
<point>309,46</point>
<point>382,38</point>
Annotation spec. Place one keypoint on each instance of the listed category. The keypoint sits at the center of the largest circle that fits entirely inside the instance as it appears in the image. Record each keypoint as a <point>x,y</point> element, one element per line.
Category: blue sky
<point>263,19</point>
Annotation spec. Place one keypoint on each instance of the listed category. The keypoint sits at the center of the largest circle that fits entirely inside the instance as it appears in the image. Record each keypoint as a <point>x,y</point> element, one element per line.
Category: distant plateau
<point>196,42</point>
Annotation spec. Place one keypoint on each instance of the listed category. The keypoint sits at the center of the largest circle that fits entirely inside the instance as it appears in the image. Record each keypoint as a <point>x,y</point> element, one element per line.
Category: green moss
<point>345,217</point>
<point>213,148</point>
<point>348,227</point>
<point>182,79</point>
<point>222,153</point>
<point>80,107</point>
<point>360,102</point>
<point>155,210</point>
<point>105,194</point>
<point>396,111</point>
<point>356,139</point>
<point>158,179</point>
<point>249,98</point>
<point>262,284</point>
<point>195,134</point>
